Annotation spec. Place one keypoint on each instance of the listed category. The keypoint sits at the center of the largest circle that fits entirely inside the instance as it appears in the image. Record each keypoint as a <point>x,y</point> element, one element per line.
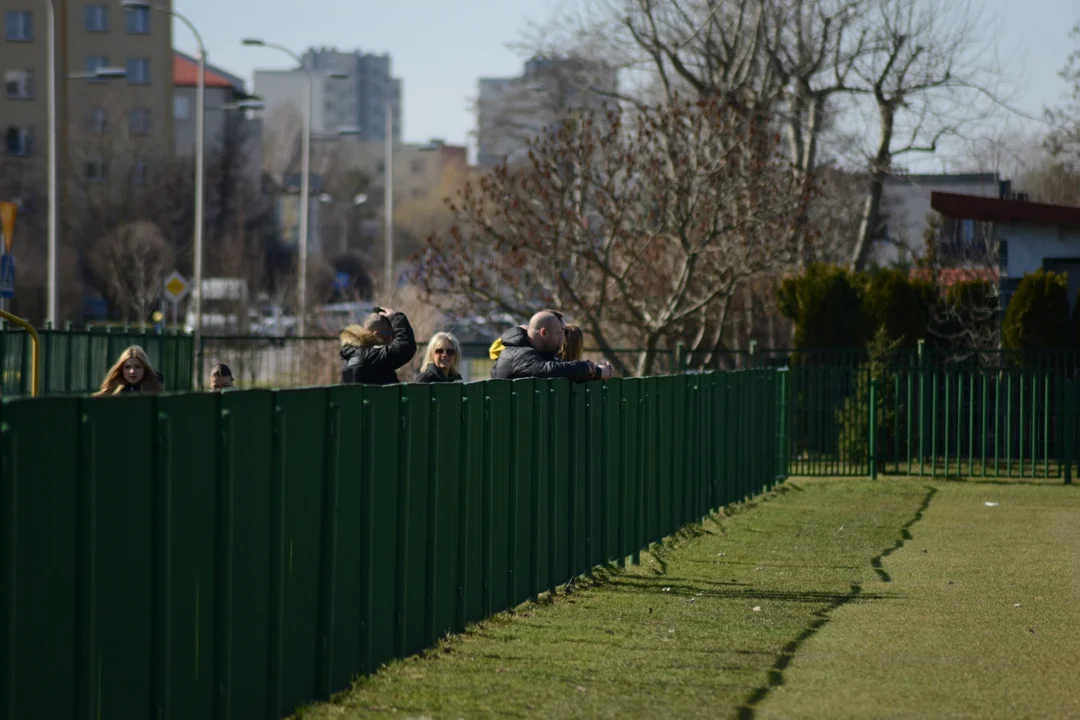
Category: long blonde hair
<point>438,340</point>
<point>573,346</point>
<point>114,379</point>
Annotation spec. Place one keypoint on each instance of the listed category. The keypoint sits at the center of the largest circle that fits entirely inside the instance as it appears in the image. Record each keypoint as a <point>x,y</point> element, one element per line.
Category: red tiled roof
<point>186,74</point>
<point>947,277</point>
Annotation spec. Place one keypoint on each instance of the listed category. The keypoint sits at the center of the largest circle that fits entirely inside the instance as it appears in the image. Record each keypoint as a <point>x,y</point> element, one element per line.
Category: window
<point>18,142</point>
<point>97,171</point>
<point>137,20</point>
<point>19,84</point>
<point>139,173</point>
<point>94,63</point>
<point>139,121</point>
<point>416,167</point>
<point>19,25</point>
<point>181,107</point>
<point>96,18</point>
<point>98,120</point>
<point>380,167</point>
<point>138,71</point>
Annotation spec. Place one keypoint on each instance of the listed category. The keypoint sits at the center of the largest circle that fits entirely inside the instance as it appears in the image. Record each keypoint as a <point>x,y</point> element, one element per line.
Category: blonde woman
<point>441,360</point>
<point>131,373</point>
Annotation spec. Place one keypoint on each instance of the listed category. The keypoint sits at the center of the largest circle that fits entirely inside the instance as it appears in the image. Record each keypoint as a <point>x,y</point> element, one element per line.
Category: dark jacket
<point>366,359</point>
<point>519,359</point>
<point>432,374</point>
<point>138,388</point>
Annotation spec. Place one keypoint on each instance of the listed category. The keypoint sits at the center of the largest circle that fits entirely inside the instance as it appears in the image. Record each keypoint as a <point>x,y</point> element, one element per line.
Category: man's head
<point>546,331</point>
<point>380,325</point>
<point>221,377</point>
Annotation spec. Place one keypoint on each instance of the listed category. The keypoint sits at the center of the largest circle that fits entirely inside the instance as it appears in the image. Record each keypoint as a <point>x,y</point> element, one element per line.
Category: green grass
<point>695,631</point>
<point>984,621</point>
<point>900,598</point>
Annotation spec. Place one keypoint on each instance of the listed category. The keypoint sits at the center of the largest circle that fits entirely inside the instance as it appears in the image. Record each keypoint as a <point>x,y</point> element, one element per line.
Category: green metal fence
<point>934,420</point>
<point>75,361</point>
<point>238,554</point>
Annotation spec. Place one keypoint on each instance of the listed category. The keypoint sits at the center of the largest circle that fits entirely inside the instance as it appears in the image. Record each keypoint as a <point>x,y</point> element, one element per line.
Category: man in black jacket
<point>530,353</point>
<point>371,353</point>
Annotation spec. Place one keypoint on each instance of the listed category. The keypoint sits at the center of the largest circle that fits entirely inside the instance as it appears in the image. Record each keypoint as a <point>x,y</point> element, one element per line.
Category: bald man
<point>530,352</point>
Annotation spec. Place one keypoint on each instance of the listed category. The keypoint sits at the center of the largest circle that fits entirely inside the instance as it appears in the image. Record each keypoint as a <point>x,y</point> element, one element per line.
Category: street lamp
<point>305,173</point>
<point>200,106</point>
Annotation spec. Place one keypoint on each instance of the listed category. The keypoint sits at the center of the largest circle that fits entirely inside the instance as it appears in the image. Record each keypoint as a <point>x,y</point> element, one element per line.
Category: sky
<point>440,48</point>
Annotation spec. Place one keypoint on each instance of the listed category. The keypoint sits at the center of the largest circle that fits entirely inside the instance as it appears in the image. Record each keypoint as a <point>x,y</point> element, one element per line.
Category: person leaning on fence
<point>441,360</point>
<point>532,353</point>
<point>132,373</point>
<point>497,347</point>
<point>372,353</point>
<point>221,377</point>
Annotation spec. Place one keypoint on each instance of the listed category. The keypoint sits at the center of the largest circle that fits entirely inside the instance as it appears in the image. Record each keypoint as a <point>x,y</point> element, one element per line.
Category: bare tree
<point>927,78</point>
<point>642,226</point>
<point>1064,141</point>
<point>131,263</point>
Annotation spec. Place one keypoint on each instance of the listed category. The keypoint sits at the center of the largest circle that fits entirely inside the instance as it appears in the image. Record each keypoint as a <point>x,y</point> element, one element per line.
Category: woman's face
<point>444,356</point>
<point>133,371</point>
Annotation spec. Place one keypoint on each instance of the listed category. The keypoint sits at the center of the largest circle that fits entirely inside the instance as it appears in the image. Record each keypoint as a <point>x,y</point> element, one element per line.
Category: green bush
<point>1038,314</point>
<point>899,304</point>
<point>825,304</point>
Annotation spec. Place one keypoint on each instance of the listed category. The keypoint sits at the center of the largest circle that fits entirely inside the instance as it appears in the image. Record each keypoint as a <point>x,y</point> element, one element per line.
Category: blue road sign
<point>7,276</point>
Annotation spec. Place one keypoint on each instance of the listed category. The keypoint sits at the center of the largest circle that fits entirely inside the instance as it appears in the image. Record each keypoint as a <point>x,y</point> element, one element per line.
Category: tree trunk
<point>879,170</point>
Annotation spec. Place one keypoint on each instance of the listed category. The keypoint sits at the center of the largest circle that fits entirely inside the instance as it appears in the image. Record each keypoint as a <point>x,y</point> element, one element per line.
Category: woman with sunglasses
<point>441,361</point>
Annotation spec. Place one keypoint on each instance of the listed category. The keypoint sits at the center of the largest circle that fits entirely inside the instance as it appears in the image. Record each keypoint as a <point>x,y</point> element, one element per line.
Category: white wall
<point>907,202</point>
<point>1030,244</point>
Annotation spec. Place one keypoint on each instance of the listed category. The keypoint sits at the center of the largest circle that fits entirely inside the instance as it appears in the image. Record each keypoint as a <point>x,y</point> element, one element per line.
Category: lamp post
<point>51,250</point>
<point>200,99</point>
<point>305,175</point>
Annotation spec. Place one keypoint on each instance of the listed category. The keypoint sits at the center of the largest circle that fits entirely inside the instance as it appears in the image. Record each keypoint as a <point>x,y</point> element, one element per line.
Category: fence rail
<point>239,554</point>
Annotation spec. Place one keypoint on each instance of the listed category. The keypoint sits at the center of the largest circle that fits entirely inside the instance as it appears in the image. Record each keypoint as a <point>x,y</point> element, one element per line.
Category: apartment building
<point>109,130</point>
<point>512,110</point>
<point>358,100</point>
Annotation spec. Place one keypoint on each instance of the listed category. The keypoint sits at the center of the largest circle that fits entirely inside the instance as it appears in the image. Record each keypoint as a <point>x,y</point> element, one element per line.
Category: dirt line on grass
<point>747,710</point>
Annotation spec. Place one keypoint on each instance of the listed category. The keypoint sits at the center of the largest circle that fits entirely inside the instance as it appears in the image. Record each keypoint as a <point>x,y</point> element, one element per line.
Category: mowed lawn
<point>818,601</point>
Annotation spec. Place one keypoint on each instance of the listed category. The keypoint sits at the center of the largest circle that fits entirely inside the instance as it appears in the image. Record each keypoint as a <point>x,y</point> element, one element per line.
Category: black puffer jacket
<point>519,359</point>
<point>432,374</point>
<point>366,358</point>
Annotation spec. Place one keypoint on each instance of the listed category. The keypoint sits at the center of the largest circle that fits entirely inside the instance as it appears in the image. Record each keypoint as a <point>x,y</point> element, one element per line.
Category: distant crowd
<point>373,352</point>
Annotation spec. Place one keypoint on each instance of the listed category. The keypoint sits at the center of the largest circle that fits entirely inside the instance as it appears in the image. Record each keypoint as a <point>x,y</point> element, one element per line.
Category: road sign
<point>8,211</point>
<point>176,287</point>
<point>7,276</point>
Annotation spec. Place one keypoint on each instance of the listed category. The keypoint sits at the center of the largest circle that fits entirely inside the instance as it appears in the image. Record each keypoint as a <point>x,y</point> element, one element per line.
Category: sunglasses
<point>446,351</point>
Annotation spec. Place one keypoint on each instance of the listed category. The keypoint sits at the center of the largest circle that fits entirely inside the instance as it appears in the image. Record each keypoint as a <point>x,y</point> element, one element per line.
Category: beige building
<point>117,130</point>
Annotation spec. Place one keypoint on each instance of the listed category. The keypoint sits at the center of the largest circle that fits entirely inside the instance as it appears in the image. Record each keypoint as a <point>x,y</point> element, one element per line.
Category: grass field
<point>831,598</point>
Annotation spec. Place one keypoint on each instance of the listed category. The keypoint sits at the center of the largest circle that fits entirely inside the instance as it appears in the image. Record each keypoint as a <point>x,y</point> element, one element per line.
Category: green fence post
<point>1069,429</point>
<point>873,429</point>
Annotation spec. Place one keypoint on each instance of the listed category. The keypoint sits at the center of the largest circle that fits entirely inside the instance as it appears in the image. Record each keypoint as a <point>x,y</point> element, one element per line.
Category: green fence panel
<point>559,479</point>
<point>577,545</point>
<point>522,491</point>
<point>250,554</point>
<point>471,508</point>
<point>379,607</point>
<point>539,556</point>
<point>610,535</point>
<point>414,476</point>
<point>40,476</point>
<point>443,593</point>
<point>346,454</point>
<point>188,483</point>
<point>500,429</point>
<point>117,595</point>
